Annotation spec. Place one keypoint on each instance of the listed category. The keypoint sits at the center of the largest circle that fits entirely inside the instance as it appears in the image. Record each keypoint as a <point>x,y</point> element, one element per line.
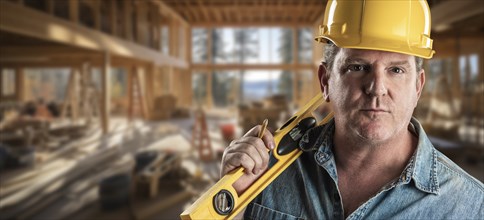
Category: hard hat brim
<point>382,45</point>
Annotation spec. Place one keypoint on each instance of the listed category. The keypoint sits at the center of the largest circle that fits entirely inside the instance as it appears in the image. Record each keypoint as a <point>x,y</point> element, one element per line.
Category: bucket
<point>114,191</point>
<point>228,132</point>
<point>3,158</point>
<point>143,159</point>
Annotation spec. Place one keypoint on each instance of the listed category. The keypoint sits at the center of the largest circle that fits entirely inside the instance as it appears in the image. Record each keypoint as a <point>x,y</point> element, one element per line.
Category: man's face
<point>373,93</point>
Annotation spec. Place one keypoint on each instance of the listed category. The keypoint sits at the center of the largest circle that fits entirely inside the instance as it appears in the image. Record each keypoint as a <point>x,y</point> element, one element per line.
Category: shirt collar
<point>320,140</point>
<point>424,171</point>
<point>421,167</point>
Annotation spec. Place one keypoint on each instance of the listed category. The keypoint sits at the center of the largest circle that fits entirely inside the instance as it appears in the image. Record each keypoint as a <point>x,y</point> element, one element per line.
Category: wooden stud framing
<point>127,17</point>
<point>105,92</point>
<point>129,90</point>
<point>140,79</point>
<point>156,27</point>
<point>209,98</point>
<point>295,47</point>
<point>295,60</point>
<point>54,29</point>
<point>50,4</point>
<point>188,42</point>
<point>1,82</point>
<point>141,23</point>
<point>171,81</point>
<point>173,39</point>
<point>150,85</point>
<point>96,9</point>
<point>168,10</point>
<point>71,98</point>
<point>74,11</point>
<point>67,96</point>
<point>19,84</point>
<point>113,17</point>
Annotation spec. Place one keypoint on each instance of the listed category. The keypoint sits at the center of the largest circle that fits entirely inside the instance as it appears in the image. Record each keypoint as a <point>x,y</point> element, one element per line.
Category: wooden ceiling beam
<point>239,5</point>
<point>206,14</point>
<point>8,51</point>
<point>448,12</point>
<point>263,8</point>
<point>31,23</point>
<point>94,61</point>
<point>299,7</point>
<point>237,12</point>
<point>312,15</point>
<point>202,67</point>
<point>218,15</point>
<point>166,9</point>
<point>263,23</point>
<point>188,14</point>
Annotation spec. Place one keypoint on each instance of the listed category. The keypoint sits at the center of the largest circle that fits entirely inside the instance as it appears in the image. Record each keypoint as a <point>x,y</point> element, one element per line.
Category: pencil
<point>263,129</point>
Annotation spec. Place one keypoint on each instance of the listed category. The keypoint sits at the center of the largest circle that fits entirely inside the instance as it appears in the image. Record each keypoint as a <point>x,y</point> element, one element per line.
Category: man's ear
<point>323,80</point>
<point>420,84</point>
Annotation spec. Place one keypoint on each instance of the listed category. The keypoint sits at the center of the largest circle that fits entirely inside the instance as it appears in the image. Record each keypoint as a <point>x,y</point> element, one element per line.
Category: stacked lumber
<point>164,107</point>
<point>274,108</point>
<point>72,169</point>
<point>160,166</point>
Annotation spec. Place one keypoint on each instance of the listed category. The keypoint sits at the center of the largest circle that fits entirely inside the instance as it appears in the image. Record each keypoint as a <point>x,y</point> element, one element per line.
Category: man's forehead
<point>361,55</point>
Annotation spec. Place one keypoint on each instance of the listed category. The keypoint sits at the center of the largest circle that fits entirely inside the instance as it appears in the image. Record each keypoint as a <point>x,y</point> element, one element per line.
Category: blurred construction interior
<point>121,109</point>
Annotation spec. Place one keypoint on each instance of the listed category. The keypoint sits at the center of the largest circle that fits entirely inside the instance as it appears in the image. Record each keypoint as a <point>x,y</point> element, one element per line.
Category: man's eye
<point>396,70</point>
<point>356,68</point>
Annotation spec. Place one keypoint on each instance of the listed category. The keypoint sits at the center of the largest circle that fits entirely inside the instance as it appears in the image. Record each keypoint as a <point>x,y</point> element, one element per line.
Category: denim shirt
<point>430,187</point>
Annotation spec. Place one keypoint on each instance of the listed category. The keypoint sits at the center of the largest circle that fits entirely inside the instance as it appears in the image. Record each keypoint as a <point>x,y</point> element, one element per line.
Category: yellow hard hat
<point>401,26</point>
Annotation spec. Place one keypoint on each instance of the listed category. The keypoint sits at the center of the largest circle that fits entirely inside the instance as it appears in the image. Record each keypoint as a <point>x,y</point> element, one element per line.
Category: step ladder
<point>136,104</point>
<point>200,138</point>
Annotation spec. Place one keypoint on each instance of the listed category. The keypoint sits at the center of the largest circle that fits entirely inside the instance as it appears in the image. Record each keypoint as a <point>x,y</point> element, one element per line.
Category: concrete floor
<point>173,199</point>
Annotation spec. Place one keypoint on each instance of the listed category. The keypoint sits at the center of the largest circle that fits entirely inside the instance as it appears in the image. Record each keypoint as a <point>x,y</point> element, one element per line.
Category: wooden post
<point>141,90</point>
<point>113,17</point>
<point>174,35</point>
<point>127,20</point>
<point>295,48</point>
<point>150,82</point>
<point>188,54</point>
<point>154,24</point>
<point>209,90</point>
<point>74,10</point>
<point>170,79</point>
<point>480,110</point>
<point>19,85</point>
<point>50,6</point>
<point>457,85</point>
<point>188,43</point>
<point>105,91</point>
<point>141,23</point>
<point>295,57</point>
<point>96,9</point>
<point>209,74</point>
<point>86,92</point>
<point>295,87</point>
<point>130,93</point>
<point>1,83</point>
<point>67,96</point>
<point>74,101</point>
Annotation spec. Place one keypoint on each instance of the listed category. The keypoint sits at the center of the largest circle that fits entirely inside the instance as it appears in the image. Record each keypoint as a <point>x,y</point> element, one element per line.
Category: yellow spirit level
<point>221,201</point>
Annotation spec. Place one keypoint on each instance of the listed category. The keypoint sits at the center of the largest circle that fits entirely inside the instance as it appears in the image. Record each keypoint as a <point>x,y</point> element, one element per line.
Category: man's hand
<point>249,152</point>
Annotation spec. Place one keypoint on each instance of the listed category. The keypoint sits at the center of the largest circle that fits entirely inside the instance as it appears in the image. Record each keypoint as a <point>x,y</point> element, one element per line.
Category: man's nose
<point>376,83</point>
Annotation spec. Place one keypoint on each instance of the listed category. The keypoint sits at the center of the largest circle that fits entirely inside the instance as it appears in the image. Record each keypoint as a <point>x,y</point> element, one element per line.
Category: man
<point>373,160</point>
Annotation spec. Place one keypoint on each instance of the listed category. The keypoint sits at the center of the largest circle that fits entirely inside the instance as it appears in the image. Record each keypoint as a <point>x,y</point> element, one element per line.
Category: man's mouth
<point>374,110</point>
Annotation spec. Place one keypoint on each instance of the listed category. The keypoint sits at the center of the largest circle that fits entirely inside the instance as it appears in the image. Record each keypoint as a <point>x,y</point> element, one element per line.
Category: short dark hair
<point>330,51</point>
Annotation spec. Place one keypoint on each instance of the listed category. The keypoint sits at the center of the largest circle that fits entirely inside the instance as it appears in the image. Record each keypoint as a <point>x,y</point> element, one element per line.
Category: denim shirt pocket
<point>256,211</point>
